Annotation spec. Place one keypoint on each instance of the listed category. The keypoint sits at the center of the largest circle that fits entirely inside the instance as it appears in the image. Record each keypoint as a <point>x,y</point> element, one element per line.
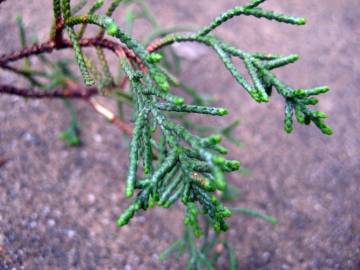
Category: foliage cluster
<point>171,158</point>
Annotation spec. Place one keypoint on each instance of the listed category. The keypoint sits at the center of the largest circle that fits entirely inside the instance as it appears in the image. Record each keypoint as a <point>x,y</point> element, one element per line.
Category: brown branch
<point>59,27</point>
<point>50,46</point>
<point>12,69</point>
<point>77,92</point>
<point>110,116</point>
<point>73,92</point>
<point>23,72</point>
<point>35,49</point>
<point>153,45</point>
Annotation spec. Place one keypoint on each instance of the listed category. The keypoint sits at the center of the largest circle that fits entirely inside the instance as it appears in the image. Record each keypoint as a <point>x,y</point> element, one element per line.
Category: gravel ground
<point>58,205</point>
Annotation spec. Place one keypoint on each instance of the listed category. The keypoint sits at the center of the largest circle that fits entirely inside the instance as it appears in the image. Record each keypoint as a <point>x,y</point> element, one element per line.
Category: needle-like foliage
<point>168,163</point>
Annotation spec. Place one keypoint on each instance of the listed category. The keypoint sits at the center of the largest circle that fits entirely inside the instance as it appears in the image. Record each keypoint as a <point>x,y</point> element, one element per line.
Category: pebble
<point>46,210</point>
<point>285,267</point>
<point>28,137</point>
<point>98,138</point>
<point>32,224</point>
<point>70,233</point>
<point>51,222</point>
<point>266,256</point>
<point>91,198</point>
<point>155,258</point>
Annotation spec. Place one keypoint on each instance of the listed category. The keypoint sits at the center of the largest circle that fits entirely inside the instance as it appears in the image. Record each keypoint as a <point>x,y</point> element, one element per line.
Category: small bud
<point>263,98</point>
<point>312,101</point>
<point>179,100</point>
<point>323,89</point>
<point>154,58</point>
<point>299,92</point>
<point>161,81</point>
<point>221,149</point>
<point>99,3</point>
<point>218,160</point>
<point>320,114</point>
<point>137,206</point>
<point>197,232</point>
<point>129,192</point>
<point>220,184</point>
<point>327,130</point>
<point>214,199</point>
<point>226,212</point>
<point>112,29</point>
<point>223,111</point>
<point>121,221</point>
<point>219,180</point>
<point>234,165</point>
<point>186,221</point>
<point>215,139</point>
<point>152,201</point>
<point>288,128</point>
<point>256,96</point>
<point>146,170</point>
<point>217,227</point>
<point>302,21</point>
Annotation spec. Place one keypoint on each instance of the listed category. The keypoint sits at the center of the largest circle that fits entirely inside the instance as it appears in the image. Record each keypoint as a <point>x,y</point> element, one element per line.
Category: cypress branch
<point>168,163</point>
<point>250,10</point>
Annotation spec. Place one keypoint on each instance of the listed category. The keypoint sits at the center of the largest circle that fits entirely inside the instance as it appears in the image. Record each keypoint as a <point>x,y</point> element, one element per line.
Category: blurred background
<point>58,205</point>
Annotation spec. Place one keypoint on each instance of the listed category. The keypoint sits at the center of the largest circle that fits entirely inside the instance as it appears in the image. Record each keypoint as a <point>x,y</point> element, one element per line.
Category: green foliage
<point>71,135</point>
<point>168,162</point>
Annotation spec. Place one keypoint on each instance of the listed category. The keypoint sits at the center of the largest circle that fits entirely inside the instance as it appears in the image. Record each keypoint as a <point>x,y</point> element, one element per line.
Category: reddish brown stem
<point>155,45</point>
<point>56,93</point>
<point>110,116</point>
<point>73,92</point>
<point>50,46</point>
<point>59,26</point>
<point>122,125</point>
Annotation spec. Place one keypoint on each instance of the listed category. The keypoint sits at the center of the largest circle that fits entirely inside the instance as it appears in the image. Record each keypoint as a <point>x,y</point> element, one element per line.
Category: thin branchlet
<point>80,57</point>
<point>250,10</point>
<point>167,162</point>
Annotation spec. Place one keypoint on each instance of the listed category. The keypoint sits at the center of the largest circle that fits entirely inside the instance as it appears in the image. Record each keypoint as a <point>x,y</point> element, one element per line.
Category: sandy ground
<point>58,205</point>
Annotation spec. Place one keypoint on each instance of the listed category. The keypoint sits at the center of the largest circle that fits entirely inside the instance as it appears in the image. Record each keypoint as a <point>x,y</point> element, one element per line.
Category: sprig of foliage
<point>168,163</point>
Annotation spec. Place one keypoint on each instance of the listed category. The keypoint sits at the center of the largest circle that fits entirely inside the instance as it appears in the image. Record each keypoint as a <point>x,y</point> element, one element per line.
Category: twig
<point>77,92</point>
<point>49,46</point>
<point>110,116</point>
<point>73,92</point>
